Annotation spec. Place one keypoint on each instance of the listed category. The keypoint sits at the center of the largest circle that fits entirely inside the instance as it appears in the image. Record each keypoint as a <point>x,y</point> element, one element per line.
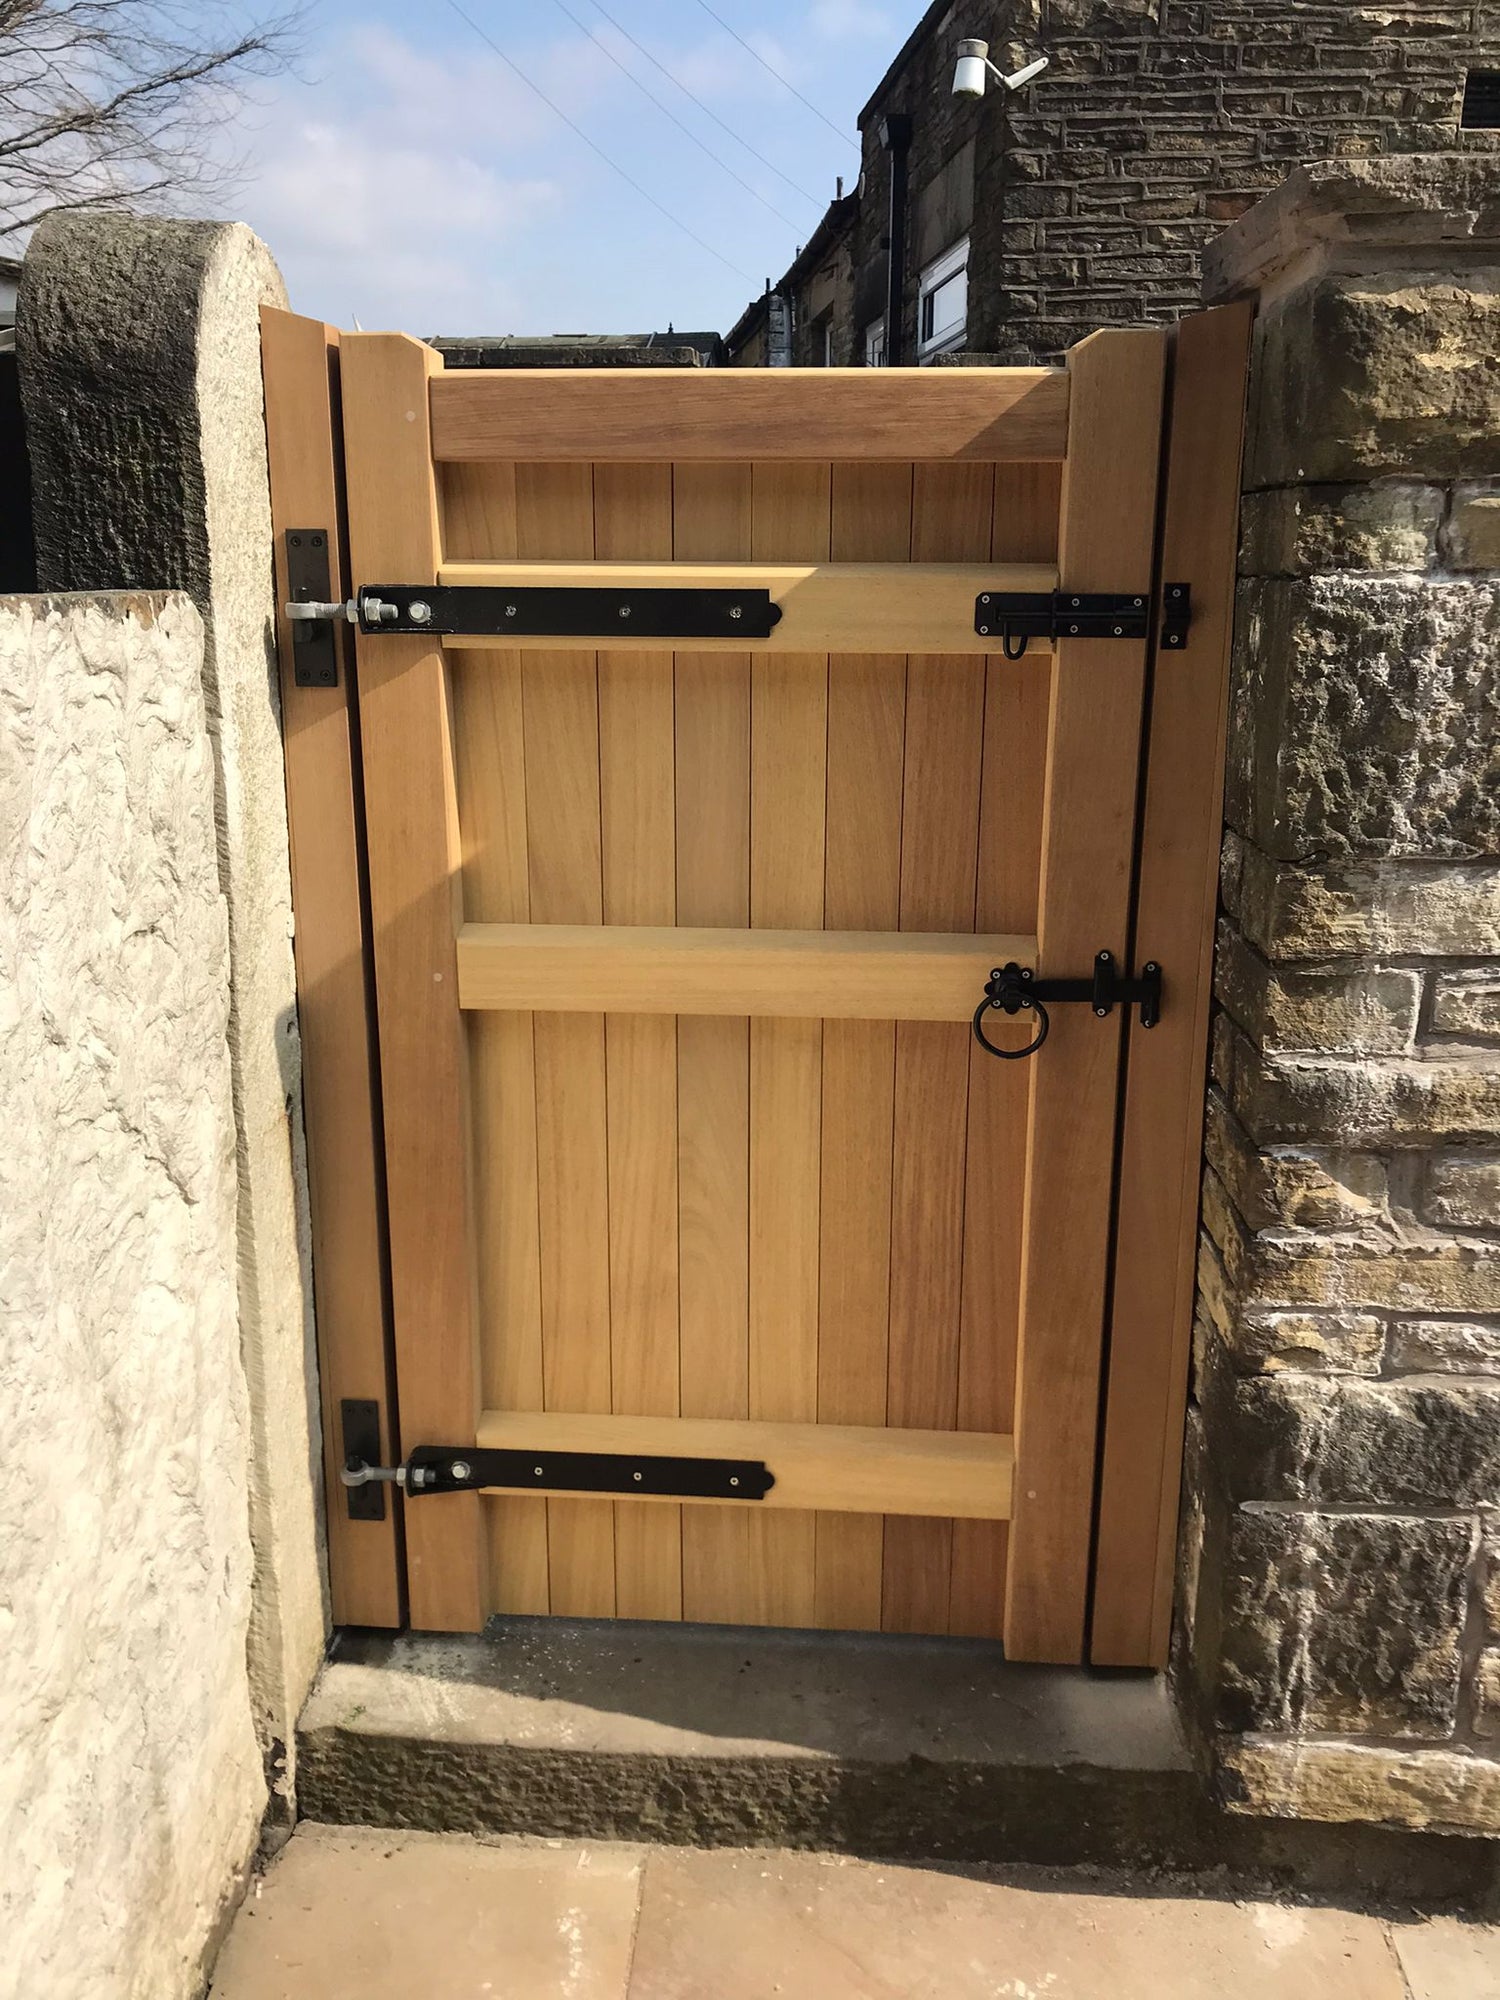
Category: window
<point>943,302</point>
<point>828,341</point>
<point>875,343</point>
<point>1481,110</point>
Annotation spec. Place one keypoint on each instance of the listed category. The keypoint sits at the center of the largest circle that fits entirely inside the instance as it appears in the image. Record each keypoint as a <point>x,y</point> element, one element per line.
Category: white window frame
<point>875,343</point>
<point>941,339</point>
<point>828,340</point>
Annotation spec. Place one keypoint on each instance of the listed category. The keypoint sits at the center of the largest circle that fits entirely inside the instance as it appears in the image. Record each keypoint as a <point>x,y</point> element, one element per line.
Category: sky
<point>406,177</point>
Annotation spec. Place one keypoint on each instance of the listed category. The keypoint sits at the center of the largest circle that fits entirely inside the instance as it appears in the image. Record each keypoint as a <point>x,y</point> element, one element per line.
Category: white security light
<point>974,68</point>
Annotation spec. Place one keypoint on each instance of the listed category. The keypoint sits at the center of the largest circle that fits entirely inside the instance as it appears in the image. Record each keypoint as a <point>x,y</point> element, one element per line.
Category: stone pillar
<point>1341,1638</point>
<point>139,350</point>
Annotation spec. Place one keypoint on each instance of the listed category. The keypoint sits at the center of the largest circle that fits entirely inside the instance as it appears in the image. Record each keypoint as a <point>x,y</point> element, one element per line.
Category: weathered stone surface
<point>1292,1188</point>
<point>1343,1624</point>
<point>1467,1004</point>
<point>139,348</point>
<point>1490,1571</point>
<point>1301,530</point>
<point>1353,210</point>
<point>1391,373</point>
<point>1446,1346</point>
<point>130,1777</point>
<point>1463,1191</point>
<point>1448,1790</point>
<point>1487,1695</point>
<point>1373,1009</point>
<point>1398,1102</point>
<point>1410,1444</point>
<point>1310,1343</point>
<point>1471,534</point>
<point>1349,909</point>
<point>1362,717</point>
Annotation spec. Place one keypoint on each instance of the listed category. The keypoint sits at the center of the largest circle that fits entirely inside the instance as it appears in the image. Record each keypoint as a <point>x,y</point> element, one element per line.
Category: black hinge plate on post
<point>456,1469</point>
<point>359,1431</point>
<point>1176,615</point>
<point>547,611</point>
<point>1013,989</point>
<point>315,652</point>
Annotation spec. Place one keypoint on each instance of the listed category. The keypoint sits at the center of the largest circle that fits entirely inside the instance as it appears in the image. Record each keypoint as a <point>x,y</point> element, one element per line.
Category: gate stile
<point>683,889</point>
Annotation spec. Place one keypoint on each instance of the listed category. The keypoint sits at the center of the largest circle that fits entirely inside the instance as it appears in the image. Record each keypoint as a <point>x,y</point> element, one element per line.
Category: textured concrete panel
<point>130,1778</point>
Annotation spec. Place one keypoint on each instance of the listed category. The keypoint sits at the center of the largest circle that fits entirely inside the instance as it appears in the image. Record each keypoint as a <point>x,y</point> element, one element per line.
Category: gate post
<point>1341,1619</point>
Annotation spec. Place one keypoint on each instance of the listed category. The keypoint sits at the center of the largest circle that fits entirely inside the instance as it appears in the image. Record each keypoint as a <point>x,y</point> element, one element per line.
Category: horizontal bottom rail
<point>827,1468</point>
<point>808,975</point>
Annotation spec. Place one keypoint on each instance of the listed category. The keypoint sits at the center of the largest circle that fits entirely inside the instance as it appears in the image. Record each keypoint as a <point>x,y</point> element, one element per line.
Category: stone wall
<point>1342,1595</point>
<point>1157,122</point>
<point>131,1786</point>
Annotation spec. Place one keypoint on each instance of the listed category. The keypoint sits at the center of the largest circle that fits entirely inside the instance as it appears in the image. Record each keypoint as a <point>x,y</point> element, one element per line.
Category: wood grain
<point>813,414</point>
<point>1088,839</point>
<point>415,864</point>
<point>1161,1152</point>
<point>335,981</point>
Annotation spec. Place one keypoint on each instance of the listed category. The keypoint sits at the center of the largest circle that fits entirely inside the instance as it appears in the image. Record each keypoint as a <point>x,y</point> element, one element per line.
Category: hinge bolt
<point>460,1468</point>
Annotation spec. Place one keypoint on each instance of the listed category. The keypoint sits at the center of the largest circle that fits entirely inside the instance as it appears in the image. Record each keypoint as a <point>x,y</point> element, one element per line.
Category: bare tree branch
<point>109,103</point>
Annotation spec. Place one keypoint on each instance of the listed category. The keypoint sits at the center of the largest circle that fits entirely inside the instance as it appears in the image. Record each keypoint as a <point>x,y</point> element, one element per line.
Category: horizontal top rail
<point>825,607</point>
<point>534,414</point>
<point>809,975</point>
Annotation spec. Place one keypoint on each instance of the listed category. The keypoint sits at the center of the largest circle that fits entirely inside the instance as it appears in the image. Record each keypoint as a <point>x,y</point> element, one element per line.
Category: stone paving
<point>353,1913</point>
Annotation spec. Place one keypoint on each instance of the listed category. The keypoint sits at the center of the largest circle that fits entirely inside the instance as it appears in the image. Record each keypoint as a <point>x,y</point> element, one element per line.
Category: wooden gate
<point>680,911</point>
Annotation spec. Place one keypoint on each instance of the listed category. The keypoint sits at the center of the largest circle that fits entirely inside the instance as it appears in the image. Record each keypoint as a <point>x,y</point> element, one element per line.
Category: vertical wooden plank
<point>711,521</point>
<point>560,691</point>
<point>952,511</point>
<point>788,767</point>
<point>862,891</point>
<point>335,988</point>
<point>1106,543</point>
<point>1010,837</point>
<point>1177,894</point>
<point>633,523</point>
<point>479,520</point>
<point>415,905</point>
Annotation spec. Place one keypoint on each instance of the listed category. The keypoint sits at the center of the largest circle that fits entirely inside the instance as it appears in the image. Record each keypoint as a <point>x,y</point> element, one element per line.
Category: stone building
<point>1087,199</point>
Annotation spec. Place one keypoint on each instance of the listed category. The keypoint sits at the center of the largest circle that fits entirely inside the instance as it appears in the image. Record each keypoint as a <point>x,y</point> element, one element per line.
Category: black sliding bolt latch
<point>1012,989</point>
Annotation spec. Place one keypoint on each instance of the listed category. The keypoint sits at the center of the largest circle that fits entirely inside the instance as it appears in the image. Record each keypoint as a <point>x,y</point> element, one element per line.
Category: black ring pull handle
<point>1006,992</point>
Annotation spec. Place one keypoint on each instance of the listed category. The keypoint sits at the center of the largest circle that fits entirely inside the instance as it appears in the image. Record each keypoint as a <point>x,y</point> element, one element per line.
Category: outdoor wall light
<point>974,68</point>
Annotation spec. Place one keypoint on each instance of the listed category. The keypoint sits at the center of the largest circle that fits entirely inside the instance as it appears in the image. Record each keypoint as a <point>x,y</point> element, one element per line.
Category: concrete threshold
<point>885,1747</point>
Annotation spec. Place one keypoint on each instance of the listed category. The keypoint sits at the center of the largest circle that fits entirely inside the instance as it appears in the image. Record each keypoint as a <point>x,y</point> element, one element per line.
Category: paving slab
<point>1445,1958</point>
<point>357,1914</point>
<point>793,1926</point>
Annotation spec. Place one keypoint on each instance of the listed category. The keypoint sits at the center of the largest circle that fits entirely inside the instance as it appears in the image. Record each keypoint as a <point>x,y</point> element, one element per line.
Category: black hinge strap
<point>435,1468</point>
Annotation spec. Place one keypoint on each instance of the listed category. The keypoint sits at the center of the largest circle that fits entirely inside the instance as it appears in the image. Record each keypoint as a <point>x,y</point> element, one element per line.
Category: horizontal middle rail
<point>826,1468</point>
<point>535,414</point>
<point>811,975</point>
<point>825,607</point>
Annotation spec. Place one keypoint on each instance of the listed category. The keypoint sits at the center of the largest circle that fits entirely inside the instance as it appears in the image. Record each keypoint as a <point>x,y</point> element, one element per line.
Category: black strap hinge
<point>436,1468</point>
<point>1012,989</point>
<point>1015,617</point>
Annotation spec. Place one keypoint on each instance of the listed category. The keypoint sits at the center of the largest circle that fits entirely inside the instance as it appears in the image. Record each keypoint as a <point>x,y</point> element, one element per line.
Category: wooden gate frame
<point>394,393</point>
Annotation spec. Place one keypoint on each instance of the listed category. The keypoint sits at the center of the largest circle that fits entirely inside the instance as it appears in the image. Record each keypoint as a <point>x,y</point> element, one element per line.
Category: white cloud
<point>841,20</point>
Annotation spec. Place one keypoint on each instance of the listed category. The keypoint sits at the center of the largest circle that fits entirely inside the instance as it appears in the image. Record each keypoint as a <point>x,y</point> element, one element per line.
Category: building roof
<point>914,40</point>
<point>513,350</point>
<point>837,220</point>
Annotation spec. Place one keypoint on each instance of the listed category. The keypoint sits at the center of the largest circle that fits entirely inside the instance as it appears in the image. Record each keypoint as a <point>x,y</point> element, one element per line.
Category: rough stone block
<point>1450,1791</point>
<point>1467,1004</point>
<point>1398,1444</point>
<point>1301,530</point>
<point>1487,1695</point>
<point>1372,1011</point>
<point>1334,909</point>
<point>1394,373</point>
<point>1287,1187</point>
<point>1463,1191</point>
<point>1398,1101</point>
<point>1362,717</point>
<point>1446,1346</point>
<point>1310,1343</point>
<point>1343,1624</point>
<point>1471,534</point>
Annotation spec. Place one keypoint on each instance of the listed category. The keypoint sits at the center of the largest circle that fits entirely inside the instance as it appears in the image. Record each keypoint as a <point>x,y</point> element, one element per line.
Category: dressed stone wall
<point>131,1787</point>
<point>1342,1588</point>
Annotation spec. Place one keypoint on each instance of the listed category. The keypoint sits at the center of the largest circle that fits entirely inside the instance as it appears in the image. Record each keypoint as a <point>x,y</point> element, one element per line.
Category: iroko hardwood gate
<point>692,1160</point>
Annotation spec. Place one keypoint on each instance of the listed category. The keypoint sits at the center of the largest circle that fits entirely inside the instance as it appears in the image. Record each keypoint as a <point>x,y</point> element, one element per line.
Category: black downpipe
<point>895,137</point>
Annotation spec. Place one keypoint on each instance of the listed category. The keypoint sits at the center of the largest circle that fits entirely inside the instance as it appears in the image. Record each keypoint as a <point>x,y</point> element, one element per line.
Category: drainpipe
<point>895,137</point>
